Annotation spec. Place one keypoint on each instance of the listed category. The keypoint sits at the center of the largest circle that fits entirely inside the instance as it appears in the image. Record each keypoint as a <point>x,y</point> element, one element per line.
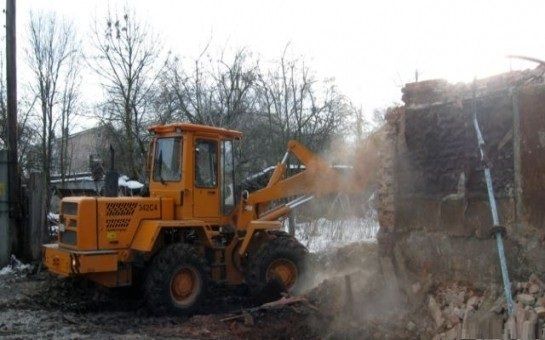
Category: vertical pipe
<point>493,210</point>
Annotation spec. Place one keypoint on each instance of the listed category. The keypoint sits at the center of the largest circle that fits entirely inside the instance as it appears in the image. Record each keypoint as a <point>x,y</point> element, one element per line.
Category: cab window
<point>228,177</point>
<point>206,159</point>
<point>167,161</point>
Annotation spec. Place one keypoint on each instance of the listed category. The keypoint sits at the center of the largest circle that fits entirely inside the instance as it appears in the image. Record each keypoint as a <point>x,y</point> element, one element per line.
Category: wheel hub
<point>283,270</point>
<point>184,285</point>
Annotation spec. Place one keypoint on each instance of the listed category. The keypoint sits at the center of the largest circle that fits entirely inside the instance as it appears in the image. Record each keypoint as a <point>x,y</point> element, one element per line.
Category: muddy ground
<point>34,303</point>
<point>41,305</point>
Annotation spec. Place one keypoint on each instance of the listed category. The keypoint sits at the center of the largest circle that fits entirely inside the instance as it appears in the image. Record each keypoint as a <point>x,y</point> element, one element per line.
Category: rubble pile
<point>528,321</point>
<point>453,309</point>
<point>462,312</point>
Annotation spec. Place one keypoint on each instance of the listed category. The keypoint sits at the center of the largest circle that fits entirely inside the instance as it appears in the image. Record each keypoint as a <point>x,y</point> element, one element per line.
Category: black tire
<point>176,263</point>
<point>281,247</point>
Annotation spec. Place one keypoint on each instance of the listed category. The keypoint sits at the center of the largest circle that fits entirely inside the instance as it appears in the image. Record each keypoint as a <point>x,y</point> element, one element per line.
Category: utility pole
<point>14,193</point>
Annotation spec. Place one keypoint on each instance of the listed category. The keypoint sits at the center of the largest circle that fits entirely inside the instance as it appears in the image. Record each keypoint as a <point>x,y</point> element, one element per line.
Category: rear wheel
<point>177,280</point>
<point>277,266</point>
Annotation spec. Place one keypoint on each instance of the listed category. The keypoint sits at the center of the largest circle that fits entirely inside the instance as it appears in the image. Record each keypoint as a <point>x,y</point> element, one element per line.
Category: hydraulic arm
<point>317,179</point>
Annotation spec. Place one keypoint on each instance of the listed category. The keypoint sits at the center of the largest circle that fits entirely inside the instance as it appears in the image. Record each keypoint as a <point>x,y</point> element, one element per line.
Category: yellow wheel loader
<point>192,229</point>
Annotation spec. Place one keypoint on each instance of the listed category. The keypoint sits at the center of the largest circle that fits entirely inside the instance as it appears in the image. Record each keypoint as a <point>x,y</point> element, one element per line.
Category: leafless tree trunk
<point>52,43</point>
<point>69,105</point>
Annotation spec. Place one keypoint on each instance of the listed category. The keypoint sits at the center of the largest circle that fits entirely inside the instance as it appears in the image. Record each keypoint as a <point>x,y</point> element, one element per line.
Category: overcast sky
<point>370,47</point>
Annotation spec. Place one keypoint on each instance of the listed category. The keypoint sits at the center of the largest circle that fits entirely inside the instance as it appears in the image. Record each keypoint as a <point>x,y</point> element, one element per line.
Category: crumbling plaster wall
<point>433,190</point>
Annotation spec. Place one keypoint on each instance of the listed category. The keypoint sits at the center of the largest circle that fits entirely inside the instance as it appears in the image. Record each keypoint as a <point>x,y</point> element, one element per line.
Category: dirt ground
<point>38,304</point>
<point>41,305</point>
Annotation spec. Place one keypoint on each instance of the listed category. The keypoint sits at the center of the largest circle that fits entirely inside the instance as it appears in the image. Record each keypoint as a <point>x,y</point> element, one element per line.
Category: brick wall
<point>435,179</point>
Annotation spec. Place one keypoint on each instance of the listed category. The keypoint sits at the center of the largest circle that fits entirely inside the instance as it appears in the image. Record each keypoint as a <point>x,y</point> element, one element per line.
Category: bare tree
<point>52,43</point>
<point>234,90</point>
<point>298,106</point>
<point>128,63</point>
<point>69,102</point>
<point>284,101</point>
<point>360,124</point>
<point>214,92</point>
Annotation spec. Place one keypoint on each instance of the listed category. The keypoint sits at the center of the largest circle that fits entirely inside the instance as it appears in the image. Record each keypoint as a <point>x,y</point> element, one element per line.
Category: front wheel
<point>279,265</point>
<point>177,281</point>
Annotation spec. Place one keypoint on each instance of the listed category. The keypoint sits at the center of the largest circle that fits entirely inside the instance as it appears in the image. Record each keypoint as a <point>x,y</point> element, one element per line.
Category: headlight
<point>74,264</point>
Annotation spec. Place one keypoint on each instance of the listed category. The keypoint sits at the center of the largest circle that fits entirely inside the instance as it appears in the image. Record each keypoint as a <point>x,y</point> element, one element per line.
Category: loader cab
<point>195,166</point>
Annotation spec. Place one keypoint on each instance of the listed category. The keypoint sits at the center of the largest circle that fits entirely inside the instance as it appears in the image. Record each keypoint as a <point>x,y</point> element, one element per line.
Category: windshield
<point>167,163</point>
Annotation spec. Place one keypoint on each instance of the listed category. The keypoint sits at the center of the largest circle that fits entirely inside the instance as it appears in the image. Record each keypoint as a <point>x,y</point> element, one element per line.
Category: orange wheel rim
<point>184,285</point>
<point>283,270</point>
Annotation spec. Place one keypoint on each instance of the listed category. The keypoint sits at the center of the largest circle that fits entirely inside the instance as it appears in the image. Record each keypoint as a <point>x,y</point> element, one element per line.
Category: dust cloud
<point>357,299</point>
<point>350,214</point>
<point>348,281</point>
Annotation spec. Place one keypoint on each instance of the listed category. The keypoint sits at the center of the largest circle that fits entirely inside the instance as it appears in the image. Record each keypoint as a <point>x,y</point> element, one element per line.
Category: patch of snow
<point>15,267</point>
<point>6,270</point>
<point>54,222</point>
<point>131,184</point>
<point>134,185</point>
<point>52,216</point>
<point>54,229</point>
<point>122,180</point>
<point>322,233</point>
<point>75,179</point>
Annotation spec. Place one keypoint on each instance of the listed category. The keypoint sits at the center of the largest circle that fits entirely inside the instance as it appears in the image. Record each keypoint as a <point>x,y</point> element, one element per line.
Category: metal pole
<point>4,210</point>
<point>493,210</point>
<point>11,82</point>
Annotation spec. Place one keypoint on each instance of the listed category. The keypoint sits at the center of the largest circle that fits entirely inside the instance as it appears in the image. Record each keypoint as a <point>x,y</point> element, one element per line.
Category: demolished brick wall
<point>433,195</point>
